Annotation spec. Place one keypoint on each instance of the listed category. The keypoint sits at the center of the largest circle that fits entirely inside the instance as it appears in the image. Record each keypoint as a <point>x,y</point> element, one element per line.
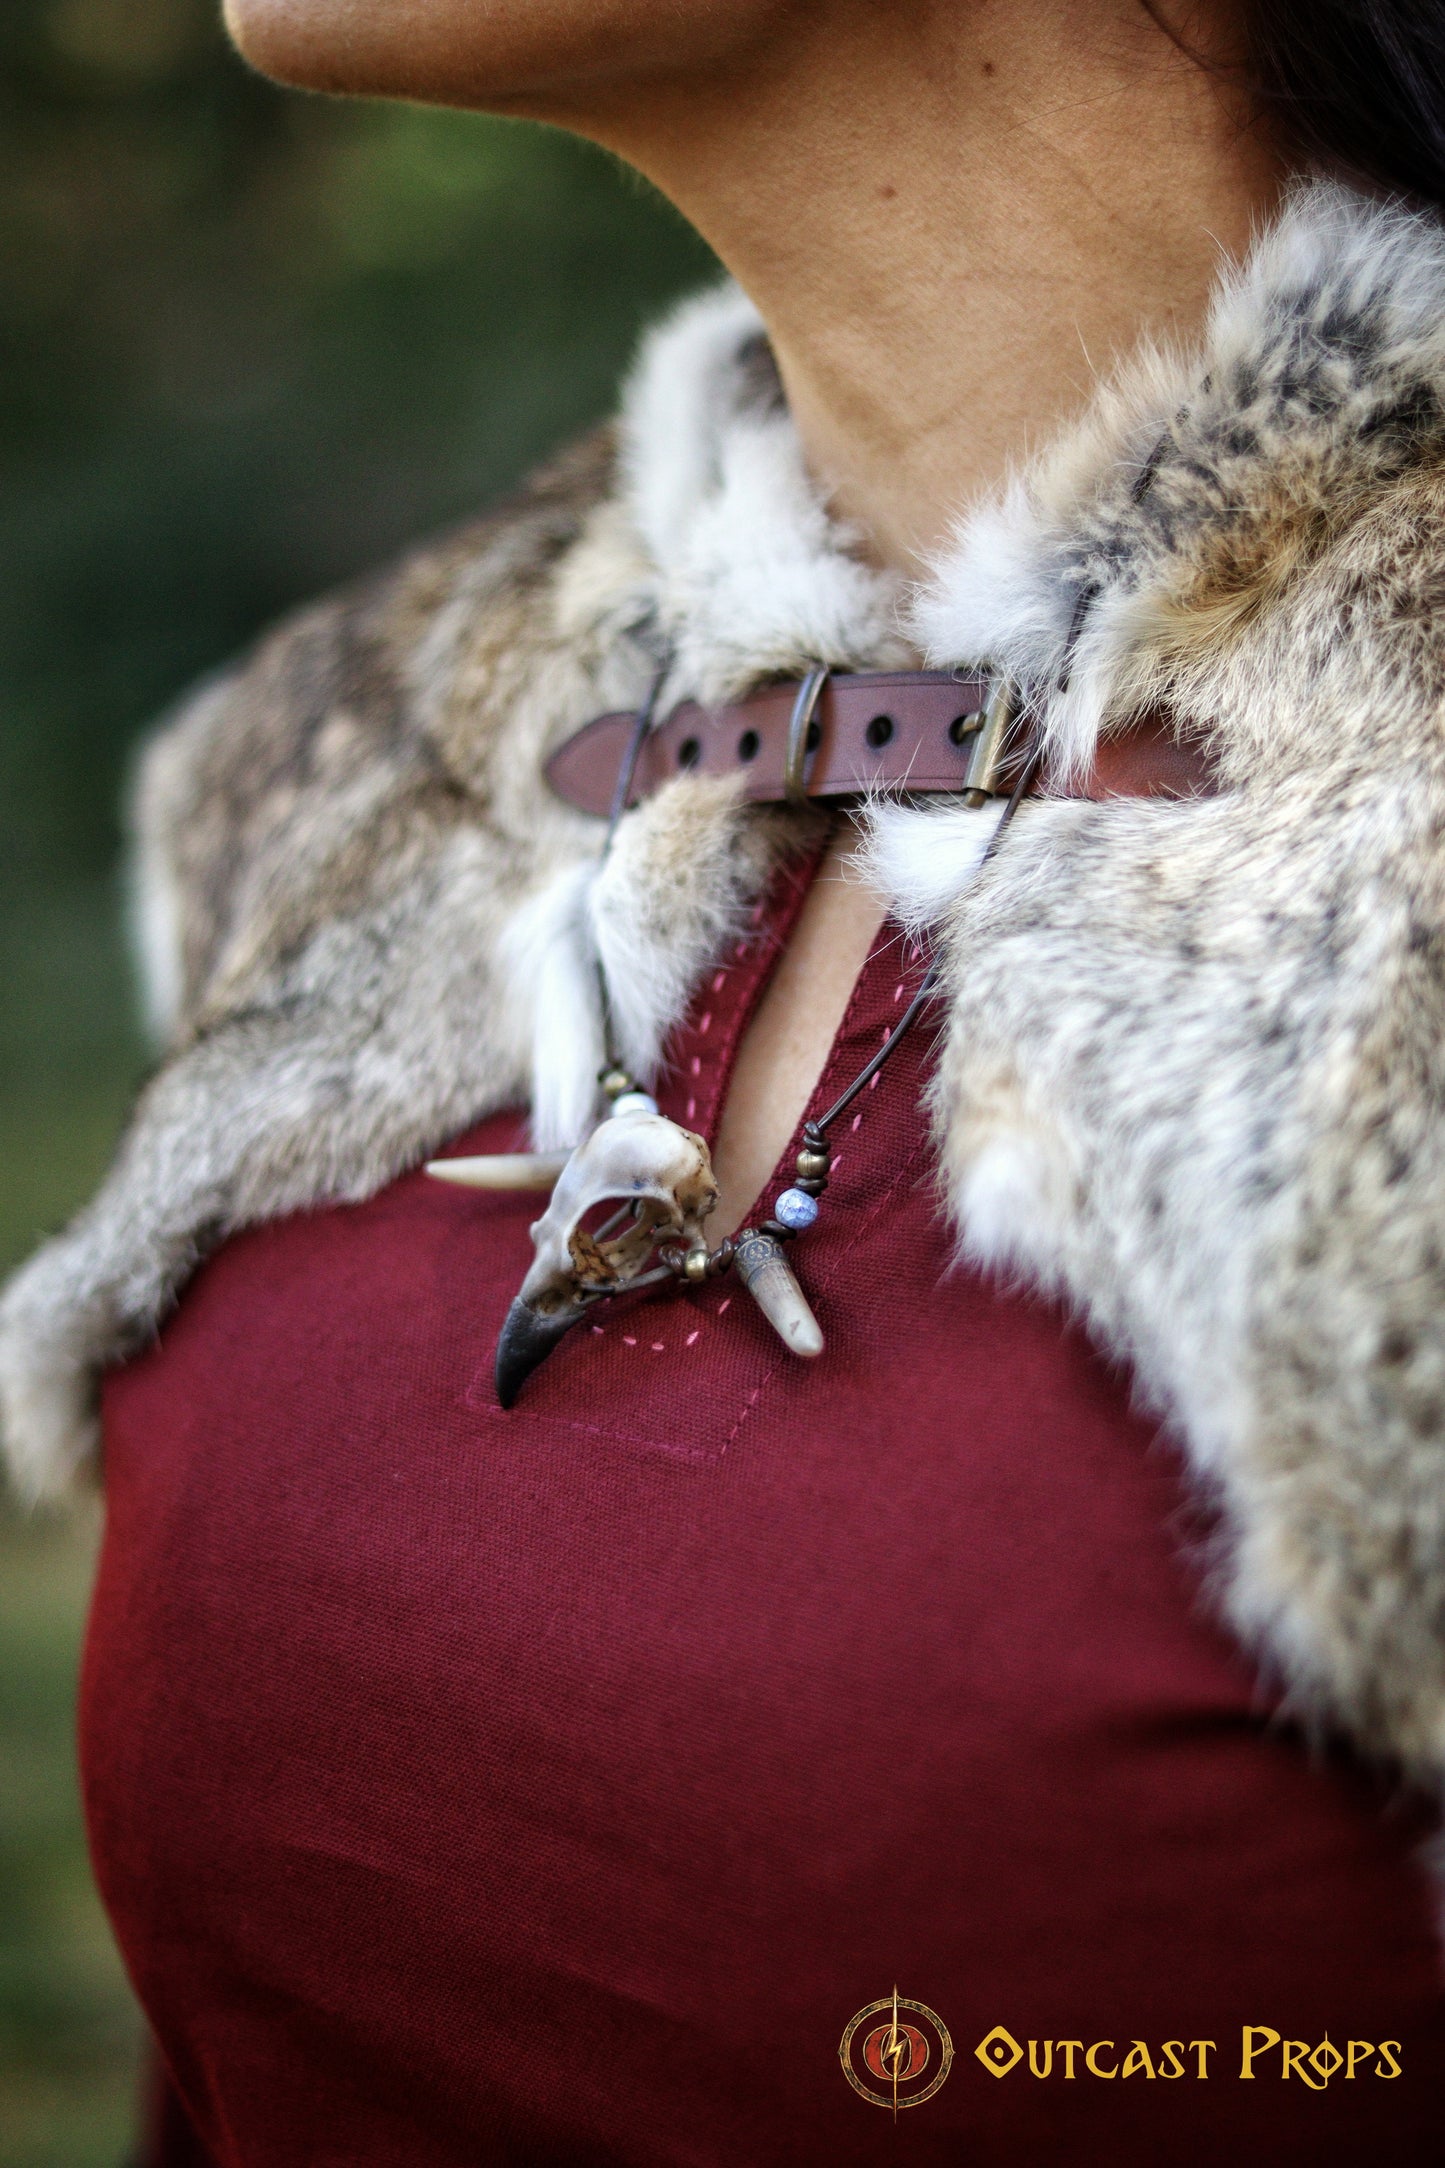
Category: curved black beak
<point>527,1338</point>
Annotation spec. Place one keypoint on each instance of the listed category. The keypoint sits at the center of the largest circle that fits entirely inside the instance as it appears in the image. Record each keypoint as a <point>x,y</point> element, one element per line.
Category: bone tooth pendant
<point>638,1158</point>
<point>770,1280</point>
<point>501,1170</point>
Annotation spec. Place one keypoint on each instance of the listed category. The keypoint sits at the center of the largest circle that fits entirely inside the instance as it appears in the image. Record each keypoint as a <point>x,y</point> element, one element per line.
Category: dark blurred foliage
<point>249,343</point>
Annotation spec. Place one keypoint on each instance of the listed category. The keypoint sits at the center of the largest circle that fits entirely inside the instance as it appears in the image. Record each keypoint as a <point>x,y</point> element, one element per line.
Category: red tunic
<point>553,1786</point>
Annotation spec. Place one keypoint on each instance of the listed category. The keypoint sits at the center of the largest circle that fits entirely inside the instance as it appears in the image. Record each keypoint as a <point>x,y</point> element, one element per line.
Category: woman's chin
<point>521,54</point>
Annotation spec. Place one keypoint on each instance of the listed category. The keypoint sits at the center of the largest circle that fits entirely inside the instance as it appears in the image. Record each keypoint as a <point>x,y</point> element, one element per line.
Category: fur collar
<point>753,578</point>
<point>1195,1057</point>
<point>1180,504</point>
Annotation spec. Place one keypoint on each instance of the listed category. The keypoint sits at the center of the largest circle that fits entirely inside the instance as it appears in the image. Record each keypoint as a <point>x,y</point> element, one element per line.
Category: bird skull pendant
<point>636,1158</point>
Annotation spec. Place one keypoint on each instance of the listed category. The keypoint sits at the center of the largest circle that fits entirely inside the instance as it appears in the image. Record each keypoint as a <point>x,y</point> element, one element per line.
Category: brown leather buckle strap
<point>843,735</point>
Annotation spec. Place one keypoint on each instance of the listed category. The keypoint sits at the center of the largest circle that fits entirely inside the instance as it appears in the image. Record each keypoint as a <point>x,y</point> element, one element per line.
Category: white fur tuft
<point>551,966</point>
<point>675,401</point>
<point>154,918</point>
<point>48,1417</point>
<point>922,858</point>
<point>755,578</point>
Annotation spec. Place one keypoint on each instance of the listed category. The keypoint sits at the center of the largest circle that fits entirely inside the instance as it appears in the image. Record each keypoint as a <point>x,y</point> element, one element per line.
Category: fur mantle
<point>1194,1073</point>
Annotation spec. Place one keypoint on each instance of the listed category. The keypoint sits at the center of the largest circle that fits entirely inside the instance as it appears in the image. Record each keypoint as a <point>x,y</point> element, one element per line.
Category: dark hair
<point>1353,83</point>
<point>1359,82</point>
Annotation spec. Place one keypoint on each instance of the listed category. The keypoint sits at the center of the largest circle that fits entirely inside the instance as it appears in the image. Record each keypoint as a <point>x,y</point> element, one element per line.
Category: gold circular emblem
<point>889,2060</point>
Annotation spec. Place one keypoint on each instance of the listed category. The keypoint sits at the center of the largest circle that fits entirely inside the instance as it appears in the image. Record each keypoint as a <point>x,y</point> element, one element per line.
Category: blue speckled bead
<point>796,1209</point>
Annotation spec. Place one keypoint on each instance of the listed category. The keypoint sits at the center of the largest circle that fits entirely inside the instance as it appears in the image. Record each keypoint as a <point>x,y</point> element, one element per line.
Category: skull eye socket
<point>689,753</point>
<point>607,1216</point>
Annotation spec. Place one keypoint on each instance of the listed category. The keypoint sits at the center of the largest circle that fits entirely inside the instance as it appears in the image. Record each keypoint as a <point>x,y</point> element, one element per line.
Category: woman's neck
<point>953,218</point>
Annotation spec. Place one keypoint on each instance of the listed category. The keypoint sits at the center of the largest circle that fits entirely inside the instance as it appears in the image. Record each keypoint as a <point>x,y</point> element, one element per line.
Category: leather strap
<point>904,730</point>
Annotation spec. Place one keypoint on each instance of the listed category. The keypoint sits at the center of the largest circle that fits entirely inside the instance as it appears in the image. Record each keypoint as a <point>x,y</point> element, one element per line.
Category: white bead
<point>634,1103</point>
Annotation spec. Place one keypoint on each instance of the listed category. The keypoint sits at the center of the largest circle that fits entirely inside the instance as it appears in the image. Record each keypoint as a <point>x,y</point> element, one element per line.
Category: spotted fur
<point>1194,1073</point>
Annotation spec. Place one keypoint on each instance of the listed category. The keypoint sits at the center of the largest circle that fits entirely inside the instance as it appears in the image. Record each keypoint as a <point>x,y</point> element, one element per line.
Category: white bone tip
<point>501,1170</point>
<point>773,1285</point>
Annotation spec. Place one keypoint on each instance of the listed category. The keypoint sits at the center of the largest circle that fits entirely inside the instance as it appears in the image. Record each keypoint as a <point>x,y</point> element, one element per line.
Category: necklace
<point>836,735</point>
<point>659,1175</point>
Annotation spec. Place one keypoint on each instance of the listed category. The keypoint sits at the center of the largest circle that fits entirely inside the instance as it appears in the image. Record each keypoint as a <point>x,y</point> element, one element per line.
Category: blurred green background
<point>249,342</point>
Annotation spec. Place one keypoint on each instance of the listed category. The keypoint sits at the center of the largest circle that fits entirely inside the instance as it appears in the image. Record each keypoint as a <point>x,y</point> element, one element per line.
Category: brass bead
<point>696,1264</point>
<point>615,1082</point>
<point>812,1166</point>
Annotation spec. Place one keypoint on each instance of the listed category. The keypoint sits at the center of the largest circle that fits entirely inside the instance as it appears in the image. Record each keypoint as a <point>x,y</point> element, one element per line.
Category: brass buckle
<point>982,778</point>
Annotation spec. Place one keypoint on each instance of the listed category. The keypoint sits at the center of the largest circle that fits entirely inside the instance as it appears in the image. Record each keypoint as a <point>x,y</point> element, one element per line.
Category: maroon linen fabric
<point>168,2136</point>
<point>553,1786</point>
